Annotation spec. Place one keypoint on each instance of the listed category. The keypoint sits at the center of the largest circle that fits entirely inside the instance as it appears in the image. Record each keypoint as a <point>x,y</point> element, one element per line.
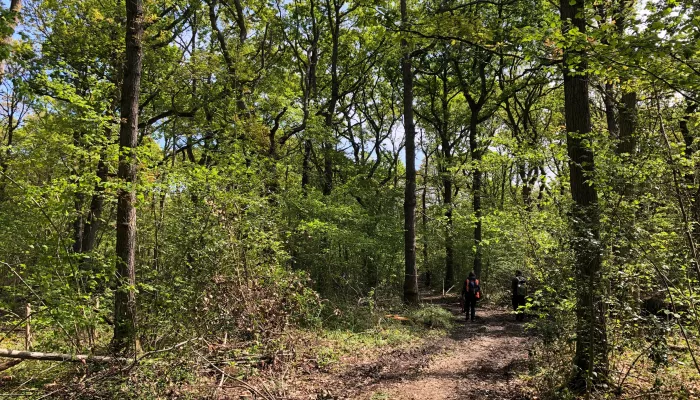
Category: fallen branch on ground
<point>35,355</point>
<point>398,318</point>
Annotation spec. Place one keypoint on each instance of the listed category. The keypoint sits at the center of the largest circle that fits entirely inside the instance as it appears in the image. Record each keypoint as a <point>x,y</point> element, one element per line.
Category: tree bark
<point>78,223</point>
<point>590,361</point>
<point>424,220</point>
<point>447,181</point>
<point>410,285</point>
<point>125,294</point>
<point>610,108</point>
<point>447,202</point>
<point>327,168</point>
<point>628,124</point>
<point>475,153</point>
<point>334,21</point>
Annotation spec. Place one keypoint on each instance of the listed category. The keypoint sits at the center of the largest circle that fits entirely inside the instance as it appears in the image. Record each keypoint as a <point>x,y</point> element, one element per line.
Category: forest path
<point>479,360</point>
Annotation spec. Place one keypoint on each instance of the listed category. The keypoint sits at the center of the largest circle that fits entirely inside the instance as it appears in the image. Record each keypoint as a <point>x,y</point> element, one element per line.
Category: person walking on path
<point>519,287</point>
<point>471,292</point>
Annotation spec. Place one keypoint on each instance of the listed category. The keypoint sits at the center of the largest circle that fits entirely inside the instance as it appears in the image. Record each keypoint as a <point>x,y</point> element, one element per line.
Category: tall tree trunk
<point>590,361</point>
<point>334,21</point>
<point>447,203</point>
<point>447,181</point>
<point>79,200</point>
<point>410,285</point>
<point>449,236</point>
<point>15,8</point>
<point>424,220</point>
<point>628,124</point>
<point>125,295</point>
<point>94,217</point>
<point>4,156</point>
<point>628,112</point>
<point>611,111</point>
<point>476,191</point>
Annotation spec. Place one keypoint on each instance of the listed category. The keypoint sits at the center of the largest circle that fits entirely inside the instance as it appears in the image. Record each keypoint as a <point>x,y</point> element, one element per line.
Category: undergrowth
<point>195,370</point>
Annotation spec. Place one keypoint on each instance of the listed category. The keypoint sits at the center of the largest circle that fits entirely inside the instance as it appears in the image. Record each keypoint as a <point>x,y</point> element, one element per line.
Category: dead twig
<point>239,382</point>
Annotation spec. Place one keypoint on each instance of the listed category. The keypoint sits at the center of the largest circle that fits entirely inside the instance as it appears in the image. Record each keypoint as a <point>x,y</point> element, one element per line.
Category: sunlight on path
<point>480,361</point>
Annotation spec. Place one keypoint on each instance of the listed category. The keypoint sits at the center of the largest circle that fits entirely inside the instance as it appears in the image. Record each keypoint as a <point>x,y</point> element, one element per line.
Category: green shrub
<point>433,316</point>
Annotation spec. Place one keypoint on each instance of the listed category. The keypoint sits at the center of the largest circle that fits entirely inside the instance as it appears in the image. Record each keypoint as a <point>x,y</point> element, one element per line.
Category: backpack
<point>522,286</point>
<point>474,287</point>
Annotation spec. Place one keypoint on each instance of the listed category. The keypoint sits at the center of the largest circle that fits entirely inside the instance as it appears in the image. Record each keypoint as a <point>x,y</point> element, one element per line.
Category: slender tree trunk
<point>628,124</point>
<point>334,21</point>
<point>424,219</point>
<point>447,203</point>
<point>610,109</point>
<point>4,158</point>
<point>306,167</point>
<point>78,201</point>
<point>125,295</point>
<point>410,285</point>
<point>542,188</point>
<point>327,168</point>
<point>626,145</point>
<point>590,361</point>
<point>447,181</point>
<point>476,192</point>
<point>628,113</point>
<point>94,217</point>
<point>78,223</point>
<point>527,190</point>
<point>449,236</point>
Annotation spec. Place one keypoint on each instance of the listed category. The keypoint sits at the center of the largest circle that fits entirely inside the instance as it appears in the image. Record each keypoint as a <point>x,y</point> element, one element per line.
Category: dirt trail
<point>479,360</point>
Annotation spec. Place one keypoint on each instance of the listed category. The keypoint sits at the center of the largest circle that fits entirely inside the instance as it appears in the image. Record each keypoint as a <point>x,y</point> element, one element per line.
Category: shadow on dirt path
<point>479,360</point>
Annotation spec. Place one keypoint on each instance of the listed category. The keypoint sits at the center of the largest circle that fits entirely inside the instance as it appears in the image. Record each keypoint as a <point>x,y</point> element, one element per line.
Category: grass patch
<point>331,347</point>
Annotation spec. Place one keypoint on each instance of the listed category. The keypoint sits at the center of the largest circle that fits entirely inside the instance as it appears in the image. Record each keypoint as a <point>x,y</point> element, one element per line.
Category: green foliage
<point>433,316</point>
<point>271,173</point>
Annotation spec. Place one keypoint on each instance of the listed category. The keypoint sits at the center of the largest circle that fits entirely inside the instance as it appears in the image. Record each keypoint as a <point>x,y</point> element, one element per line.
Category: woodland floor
<point>479,360</point>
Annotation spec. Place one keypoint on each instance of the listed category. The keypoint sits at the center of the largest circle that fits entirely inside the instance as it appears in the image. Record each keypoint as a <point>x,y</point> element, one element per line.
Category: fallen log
<point>9,364</point>
<point>35,355</point>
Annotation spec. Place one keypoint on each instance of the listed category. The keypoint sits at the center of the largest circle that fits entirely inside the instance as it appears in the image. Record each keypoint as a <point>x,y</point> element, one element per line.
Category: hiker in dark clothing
<point>519,287</point>
<point>471,292</point>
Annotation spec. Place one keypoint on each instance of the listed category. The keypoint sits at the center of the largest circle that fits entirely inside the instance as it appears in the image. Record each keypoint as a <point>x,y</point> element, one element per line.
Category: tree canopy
<point>172,169</point>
